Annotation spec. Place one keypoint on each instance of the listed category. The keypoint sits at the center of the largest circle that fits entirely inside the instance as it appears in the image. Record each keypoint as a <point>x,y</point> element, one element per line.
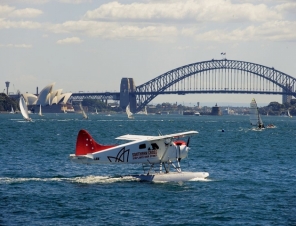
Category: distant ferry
<point>188,112</point>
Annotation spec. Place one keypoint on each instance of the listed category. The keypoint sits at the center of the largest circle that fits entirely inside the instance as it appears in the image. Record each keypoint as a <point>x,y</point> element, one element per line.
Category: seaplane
<point>160,156</point>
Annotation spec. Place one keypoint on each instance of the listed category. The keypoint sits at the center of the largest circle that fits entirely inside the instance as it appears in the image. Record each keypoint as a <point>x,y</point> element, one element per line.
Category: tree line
<point>273,108</point>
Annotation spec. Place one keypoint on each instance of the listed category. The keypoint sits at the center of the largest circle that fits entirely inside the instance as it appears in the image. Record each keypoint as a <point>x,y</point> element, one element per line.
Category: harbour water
<point>252,174</point>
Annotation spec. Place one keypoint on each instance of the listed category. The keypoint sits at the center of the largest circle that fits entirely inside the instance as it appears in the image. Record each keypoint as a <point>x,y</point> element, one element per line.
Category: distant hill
<point>6,102</point>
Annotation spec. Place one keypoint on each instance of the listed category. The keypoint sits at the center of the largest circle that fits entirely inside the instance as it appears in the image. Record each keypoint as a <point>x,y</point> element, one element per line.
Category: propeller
<point>187,144</point>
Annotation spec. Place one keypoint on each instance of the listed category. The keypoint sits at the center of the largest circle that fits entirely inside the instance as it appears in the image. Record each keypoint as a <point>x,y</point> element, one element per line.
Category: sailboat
<point>40,112</point>
<point>97,111</point>
<point>83,112</point>
<point>128,112</point>
<point>255,118</point>
<point>24,109</point>
<point>144,112</point>
<point>12,111</point>
<point>289,114</point>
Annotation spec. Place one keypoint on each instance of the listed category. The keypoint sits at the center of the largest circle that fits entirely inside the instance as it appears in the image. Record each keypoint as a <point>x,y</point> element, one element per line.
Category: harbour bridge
<point>213,76</point>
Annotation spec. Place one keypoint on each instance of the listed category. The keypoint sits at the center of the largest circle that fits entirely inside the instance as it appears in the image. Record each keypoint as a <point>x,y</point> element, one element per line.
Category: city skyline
<point>90,45</point>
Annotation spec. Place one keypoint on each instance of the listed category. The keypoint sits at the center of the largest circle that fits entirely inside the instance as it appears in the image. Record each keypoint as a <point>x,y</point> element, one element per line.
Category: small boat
<point>144,112</point>
<point>40,111</point>
<point>24,109</point>
<point>188,112</point>
<point>97,111</point>
<point>270,126</point>
<point>289,114</point>
<point>12,111</point>
<point>83,112</point>
<point>197,113</point>
<point>255,118</point>
<point>129,113</point>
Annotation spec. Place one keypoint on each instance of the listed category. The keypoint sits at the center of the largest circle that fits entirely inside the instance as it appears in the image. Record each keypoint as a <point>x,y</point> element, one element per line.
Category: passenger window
<point>142,146</point>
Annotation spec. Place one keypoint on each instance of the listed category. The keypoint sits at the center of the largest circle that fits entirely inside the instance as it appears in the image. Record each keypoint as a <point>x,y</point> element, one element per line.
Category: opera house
<point>52,101</point>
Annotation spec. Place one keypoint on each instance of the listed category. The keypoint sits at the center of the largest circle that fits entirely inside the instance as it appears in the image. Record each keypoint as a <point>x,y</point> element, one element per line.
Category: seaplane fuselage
<point>141,149</point>
<point>155,151</point>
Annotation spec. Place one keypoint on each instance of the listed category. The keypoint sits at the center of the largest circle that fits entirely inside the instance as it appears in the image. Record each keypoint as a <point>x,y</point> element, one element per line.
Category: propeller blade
<point>188,141</point>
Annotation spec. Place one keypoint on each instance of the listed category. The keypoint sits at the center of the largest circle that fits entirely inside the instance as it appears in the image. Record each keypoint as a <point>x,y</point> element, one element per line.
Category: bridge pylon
<point>285,97</point>
<point>127,88</point>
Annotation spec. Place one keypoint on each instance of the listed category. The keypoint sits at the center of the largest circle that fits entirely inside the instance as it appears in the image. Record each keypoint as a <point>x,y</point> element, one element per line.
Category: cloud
<point>75,1</point>
<point>17,46</point>
<point>189,10</point>
<point>287,8</point>
<point>37,2</point>
<point>26,13</point>
<point>7,24</point>
<point>5,10</point>
<point>114,30</point>
<point>73,40</point>
<point>8,11</point>
<point>168,20</point>
<point>269,31</point>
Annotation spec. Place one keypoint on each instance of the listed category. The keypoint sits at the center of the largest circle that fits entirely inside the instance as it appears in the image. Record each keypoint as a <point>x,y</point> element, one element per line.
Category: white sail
<point>144,112</point>
<point>83,112</point>
<point>24,109</point>
<point>259,119</point>
<point>128,112</point>
<point>255,118</point>
<point>97,111</point>
<point>12,111</point>
<point>289,114</point>
<point>40,111</point>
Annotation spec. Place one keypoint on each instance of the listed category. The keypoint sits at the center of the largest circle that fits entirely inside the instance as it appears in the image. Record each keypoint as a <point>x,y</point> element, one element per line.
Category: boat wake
<point>101,179</point>
<point>81,180</point>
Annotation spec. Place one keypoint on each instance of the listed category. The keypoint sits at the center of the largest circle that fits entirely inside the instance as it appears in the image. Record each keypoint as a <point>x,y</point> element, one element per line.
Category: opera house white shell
<point>47,96</point>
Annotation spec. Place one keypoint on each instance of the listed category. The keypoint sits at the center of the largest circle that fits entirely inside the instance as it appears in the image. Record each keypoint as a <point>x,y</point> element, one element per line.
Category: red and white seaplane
<point>157,154</point>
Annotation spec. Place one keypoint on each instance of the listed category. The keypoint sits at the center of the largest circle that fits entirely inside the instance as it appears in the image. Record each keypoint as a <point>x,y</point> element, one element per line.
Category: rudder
<point>85,144</point>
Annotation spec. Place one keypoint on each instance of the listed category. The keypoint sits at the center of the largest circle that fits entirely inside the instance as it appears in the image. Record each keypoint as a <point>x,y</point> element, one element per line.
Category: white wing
<point>143,137</point>
<point>135,137</point>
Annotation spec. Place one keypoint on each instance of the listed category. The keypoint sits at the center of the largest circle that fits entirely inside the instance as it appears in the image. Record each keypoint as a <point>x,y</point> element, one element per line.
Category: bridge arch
<point>233,77</point>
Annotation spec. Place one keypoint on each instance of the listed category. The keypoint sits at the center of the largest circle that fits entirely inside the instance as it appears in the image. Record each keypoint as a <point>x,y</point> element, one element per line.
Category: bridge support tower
<point>287,98</point>
<point>127,86</point>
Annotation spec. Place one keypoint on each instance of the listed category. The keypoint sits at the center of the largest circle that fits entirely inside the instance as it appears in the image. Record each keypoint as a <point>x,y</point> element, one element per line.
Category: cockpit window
<point>154,146</point>
<point>142,146</point>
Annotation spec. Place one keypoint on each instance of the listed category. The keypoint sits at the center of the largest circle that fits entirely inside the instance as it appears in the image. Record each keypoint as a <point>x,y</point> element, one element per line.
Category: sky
<point>89,45</point>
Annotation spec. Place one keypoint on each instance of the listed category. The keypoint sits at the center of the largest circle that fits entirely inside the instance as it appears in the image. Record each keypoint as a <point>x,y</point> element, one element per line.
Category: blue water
<point>252,174</point>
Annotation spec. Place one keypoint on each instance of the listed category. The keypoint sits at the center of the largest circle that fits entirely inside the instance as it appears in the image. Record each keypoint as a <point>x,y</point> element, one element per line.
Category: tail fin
<point>85,144</point>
